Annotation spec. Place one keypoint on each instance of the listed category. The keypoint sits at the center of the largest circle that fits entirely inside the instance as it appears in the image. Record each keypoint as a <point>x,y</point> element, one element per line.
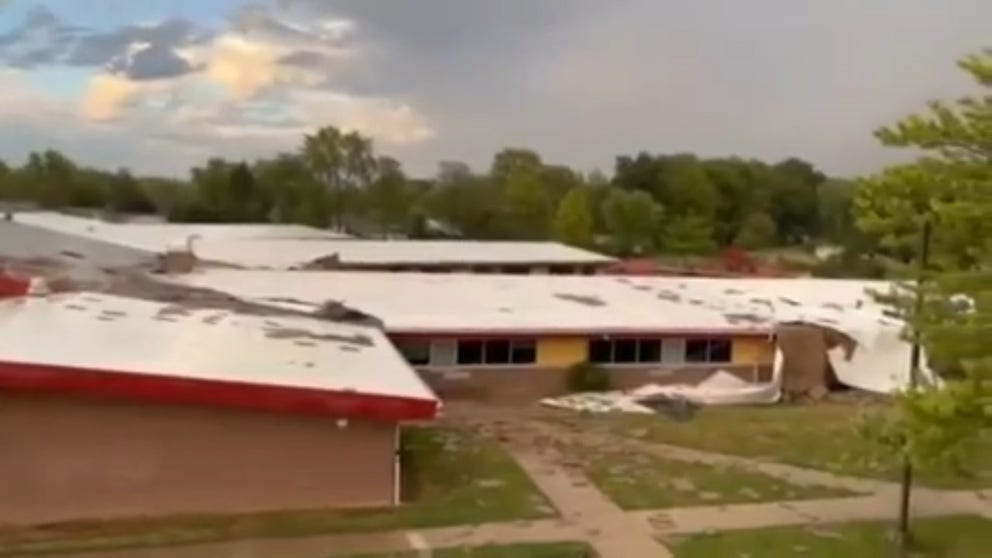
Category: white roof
<point>101,332</point>
<point>156,237</point>
<point>286,254</point>
<point>424,302</point>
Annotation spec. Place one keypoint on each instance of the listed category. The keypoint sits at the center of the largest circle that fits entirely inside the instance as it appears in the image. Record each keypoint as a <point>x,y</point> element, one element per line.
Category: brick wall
<point>73,458</point>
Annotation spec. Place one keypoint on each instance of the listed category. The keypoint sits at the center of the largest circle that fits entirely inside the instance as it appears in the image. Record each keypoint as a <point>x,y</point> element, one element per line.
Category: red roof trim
<point>13,286</point>
<point>162,389</point>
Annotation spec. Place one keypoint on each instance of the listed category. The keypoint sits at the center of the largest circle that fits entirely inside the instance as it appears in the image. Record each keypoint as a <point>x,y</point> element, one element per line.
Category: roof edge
<point>28,377</point>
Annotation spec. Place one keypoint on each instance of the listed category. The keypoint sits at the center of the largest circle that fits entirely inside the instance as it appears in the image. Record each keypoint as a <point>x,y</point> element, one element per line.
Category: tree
<point>757,231</point>
<point>125,195</point>
<point>794,190</point>
<point>632,219</point>
<point>466,202</point>
<point>948,188</point>
<point>688,235</point>
<point>341,164</point>
<point>573,219</point>
<point>388,196</point>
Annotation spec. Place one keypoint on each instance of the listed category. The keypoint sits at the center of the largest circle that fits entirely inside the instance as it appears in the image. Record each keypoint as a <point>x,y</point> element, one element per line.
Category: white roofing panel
<point>274,253</point>
<point>156,237</point>
<point>101,332</point>
<point>422,302</point>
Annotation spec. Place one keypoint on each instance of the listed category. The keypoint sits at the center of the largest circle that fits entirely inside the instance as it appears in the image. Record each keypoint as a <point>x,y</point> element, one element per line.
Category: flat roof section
<point>413,303</point>
<point>267,253</point>
<point>156,237</point>
<point>123,347</point>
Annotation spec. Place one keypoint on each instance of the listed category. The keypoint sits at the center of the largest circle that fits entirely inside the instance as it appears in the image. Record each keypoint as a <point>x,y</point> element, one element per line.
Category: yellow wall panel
<point>753,350</point>
<point>561,351</point>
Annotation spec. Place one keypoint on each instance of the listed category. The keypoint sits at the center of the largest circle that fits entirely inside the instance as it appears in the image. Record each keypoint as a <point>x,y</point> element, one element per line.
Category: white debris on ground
<point>720,388</point>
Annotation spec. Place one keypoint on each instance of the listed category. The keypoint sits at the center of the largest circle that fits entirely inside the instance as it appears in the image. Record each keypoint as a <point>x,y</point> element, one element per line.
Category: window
<point>417,353</point>
<point>624,351</point>
<point>649,350</point>
<point>471,352</point>
<point>707,350</point>
<point>523,352</point>
<point>600,351</point>
<point>497,351</point>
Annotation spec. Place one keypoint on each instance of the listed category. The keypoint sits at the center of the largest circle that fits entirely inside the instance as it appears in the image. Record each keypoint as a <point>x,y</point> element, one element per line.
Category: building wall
<point>751,358</point>
<point>561,351</point>
<point>753,350</point>
<point>74,458</point>
<point>530,383</point>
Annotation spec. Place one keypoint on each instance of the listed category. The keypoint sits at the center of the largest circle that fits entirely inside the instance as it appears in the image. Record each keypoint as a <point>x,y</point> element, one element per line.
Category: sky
<point>159,85</point>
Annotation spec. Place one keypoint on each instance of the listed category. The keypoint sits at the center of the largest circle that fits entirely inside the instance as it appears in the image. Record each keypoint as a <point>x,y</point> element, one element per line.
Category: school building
<point>117,407</point>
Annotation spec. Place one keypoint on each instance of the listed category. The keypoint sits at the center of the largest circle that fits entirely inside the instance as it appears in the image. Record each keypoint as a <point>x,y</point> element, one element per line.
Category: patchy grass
<point>645,481</point>
<point>540,550</point>
<point>946,537</point>
<point>821,436</point>
<point>453,478</point>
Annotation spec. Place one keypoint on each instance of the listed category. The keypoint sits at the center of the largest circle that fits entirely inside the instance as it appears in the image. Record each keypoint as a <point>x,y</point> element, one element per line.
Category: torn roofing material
<point>420,303</point>
<point>425,303</point>
<point>122,347</point>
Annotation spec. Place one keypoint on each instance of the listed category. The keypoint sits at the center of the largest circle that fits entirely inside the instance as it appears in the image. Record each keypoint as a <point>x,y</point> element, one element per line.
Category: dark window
<point>417,353</point>
<point>497,351</point>
<point>720,350</point>
<point>470,352</point>
<point>523,352</point>
<point>624,351</point>
<point>708,350</point>
<point>697,350</point>
<point>649,350</point>
<point>600,351</point>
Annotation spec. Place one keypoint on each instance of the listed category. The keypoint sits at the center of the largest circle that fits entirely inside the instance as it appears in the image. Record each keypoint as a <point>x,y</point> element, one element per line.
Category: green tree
<point>388,197</point>
<point>342,164</point>
<point>757,231</point>
<point>466,202</point>
<point>948,187</point>
<point>126,195</point>
<point>573,219</point>
<point>794,191</point>
<point>688,235</point>
<point>632,220</point>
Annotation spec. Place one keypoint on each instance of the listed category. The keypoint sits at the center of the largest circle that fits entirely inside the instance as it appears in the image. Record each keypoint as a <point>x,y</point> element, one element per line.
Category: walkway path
<point>586,514</point>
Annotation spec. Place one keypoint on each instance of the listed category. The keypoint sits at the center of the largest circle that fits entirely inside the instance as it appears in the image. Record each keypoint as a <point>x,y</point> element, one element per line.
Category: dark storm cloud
<point>42,38</point>
<point>152,62</point>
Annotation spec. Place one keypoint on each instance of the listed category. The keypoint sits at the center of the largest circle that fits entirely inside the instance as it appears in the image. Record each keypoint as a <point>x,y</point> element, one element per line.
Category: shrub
<point>587,377</point>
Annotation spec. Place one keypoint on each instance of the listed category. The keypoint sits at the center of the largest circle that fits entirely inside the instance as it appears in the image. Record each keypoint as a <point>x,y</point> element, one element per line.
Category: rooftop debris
<point>588,300</point>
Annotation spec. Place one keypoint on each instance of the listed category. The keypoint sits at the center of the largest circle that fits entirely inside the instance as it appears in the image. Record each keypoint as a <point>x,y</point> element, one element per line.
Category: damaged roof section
<point>125,347</point>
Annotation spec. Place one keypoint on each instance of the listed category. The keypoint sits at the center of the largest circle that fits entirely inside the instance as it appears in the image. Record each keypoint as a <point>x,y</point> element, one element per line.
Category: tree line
<point>652,203</point>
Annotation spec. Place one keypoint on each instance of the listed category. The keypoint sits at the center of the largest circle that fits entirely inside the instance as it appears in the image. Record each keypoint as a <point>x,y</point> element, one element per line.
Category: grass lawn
<point>820,436</point>
<point>645,481</point>
<point>946,537</point>
<point>546,550</point>
<point>453,478</point>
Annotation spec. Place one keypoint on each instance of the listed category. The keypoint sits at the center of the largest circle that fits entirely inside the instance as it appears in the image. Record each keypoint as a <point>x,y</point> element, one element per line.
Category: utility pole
<point>906,483</point>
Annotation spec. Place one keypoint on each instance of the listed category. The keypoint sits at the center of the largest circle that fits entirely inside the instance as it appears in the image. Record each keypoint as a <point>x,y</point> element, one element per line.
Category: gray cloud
<point>585,80</point>
<point>43,38</point>
<point>152,62</point>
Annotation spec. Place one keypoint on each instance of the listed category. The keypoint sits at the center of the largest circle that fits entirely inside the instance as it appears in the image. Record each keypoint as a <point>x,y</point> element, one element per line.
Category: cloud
<point>269,76</point>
